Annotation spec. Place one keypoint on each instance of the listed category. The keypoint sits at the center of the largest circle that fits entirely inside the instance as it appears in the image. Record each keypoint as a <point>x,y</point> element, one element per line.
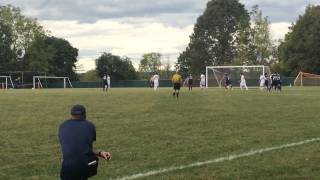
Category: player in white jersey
<point>202,81</point>
<point>243,83</point>
<point>262,82</point>
<point>155,81</point>
<point>108,81</point>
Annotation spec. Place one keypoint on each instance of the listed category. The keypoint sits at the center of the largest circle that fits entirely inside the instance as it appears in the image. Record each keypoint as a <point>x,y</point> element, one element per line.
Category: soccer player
<point>185,82</point>
<point>202,81</point>
<point>176,81</point>
<point>279,82</point>
<point>276,81</point>
<point>155,79</point>
<point>266,81</point>
<point>190,82</point>
<point>105,83</point>
<point>262,82</point>
<point>151,82</point>
<point>108,80</point>
<point>272,78</point>
<point>243,83</point>
<point>227,82</point>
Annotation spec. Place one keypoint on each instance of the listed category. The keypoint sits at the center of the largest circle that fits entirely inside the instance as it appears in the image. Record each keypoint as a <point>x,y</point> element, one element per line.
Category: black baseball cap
<point>78,110</point>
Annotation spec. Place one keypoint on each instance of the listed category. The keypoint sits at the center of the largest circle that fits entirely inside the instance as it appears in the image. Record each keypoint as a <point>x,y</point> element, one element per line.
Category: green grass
<point>148,130</point>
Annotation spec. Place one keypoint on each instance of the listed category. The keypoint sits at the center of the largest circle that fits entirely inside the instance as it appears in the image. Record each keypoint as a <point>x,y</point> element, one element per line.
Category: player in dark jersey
<point>279,82</point>
<point>266,81</point>
<point>105,83</point>
<point>190,82</point>
<point>276,81</point>
<point>227,82</point>
<point>273,81</point>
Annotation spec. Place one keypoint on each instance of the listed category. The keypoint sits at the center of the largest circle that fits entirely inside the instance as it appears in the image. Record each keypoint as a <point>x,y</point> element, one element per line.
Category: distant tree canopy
<point>26,46</point>
<point>17,32</point>
<point>52,55</point>
<point>264,48</point>
<point>215,37</point>
<point>300,51</point>
<point>150,62</point>
<point>90,76</point>
<point>119,68</point>
<point>224,35</point>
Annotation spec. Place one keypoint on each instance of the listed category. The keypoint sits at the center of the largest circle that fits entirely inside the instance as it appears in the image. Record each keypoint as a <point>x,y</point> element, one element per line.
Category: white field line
<point>221,159</point>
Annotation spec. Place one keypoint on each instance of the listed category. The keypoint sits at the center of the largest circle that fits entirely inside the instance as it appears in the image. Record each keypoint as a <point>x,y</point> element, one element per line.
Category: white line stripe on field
<point>221,159</point>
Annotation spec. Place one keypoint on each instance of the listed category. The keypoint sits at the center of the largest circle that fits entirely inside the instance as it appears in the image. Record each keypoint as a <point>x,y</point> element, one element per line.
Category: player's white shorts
<point>156,84</point>
<point>243,84</point>
<point>202,83</point>
<point>262,83</point>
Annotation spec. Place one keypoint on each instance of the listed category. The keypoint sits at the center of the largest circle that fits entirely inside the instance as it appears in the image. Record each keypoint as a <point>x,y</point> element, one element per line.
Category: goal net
<point>215,75</point>
<point>6,82</point>
<point>307,79</point>
<point>51,82</point>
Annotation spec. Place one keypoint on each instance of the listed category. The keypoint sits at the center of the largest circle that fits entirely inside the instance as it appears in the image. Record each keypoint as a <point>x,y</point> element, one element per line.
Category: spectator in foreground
<point>76,137</point>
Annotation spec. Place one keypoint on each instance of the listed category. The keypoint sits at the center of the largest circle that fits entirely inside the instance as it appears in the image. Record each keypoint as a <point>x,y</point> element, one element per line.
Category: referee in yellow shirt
<point>176,81</point>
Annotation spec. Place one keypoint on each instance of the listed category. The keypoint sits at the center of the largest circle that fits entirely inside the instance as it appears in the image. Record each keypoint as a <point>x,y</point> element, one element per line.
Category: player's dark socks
<point>174,93</point>
<point>177,95</point>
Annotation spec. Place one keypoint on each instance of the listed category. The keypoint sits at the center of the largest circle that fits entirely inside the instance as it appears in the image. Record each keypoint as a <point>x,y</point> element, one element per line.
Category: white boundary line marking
<point>217,160</point>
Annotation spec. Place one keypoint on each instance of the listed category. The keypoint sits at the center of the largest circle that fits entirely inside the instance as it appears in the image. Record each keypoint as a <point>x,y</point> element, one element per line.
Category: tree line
<point>225,34</point>
<point>26,46</point>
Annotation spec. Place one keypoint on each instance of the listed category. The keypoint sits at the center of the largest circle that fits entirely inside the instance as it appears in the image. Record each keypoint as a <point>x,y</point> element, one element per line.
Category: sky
<point>134,27</point>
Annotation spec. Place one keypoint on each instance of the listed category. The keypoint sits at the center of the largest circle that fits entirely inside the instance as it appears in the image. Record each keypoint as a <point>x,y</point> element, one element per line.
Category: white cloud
<point>131,28</point>
<point>122,37</point>
<point>279,30</point>
<point>130,37</point>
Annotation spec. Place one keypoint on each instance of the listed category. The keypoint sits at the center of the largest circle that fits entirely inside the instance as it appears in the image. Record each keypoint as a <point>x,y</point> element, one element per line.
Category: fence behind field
<point>27,83</point>
<point>286,81</point>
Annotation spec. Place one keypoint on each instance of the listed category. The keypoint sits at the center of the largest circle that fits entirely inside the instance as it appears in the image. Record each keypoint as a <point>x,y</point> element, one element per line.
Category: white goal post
<point>8,80</point>
<point>215,74</point>
<point>37,81</point>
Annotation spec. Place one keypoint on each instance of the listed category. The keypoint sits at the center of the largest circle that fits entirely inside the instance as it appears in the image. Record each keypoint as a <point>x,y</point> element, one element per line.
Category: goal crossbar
<point>211,67</point>
<point>65,80</point>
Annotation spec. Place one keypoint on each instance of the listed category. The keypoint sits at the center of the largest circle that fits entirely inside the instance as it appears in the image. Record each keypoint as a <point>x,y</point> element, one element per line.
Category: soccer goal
<point>46,81</point>
<point>215,75</point>
<point>307,79</point>
<point>6,82</point>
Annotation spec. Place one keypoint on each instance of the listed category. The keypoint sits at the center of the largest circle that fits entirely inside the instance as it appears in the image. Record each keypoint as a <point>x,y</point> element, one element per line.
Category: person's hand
<point>105,155</point>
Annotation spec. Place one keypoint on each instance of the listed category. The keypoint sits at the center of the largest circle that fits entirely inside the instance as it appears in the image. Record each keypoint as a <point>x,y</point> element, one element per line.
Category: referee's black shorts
<point>176,86</point>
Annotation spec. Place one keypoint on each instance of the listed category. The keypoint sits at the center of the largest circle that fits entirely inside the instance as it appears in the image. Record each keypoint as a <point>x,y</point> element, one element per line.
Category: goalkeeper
<point>176,81</point>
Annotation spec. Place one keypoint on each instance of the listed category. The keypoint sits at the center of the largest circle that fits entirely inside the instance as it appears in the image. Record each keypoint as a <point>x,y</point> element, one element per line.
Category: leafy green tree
<point>300,49</point>
<point>261,40</point>
<point>245,49</point>
<point>6,39</point>
<point>52,55</point>
<point>39,55</point>
<point>23,31</point>
<point>118,68</point>
<point>90,76</point>
<point>167,72</point>
<point>64,59</point>
<point>215,36</point>
<point>150,62</point>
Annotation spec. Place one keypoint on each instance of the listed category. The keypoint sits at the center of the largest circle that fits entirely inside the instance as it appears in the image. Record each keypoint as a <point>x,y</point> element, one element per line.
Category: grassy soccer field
<point>148,131</point>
